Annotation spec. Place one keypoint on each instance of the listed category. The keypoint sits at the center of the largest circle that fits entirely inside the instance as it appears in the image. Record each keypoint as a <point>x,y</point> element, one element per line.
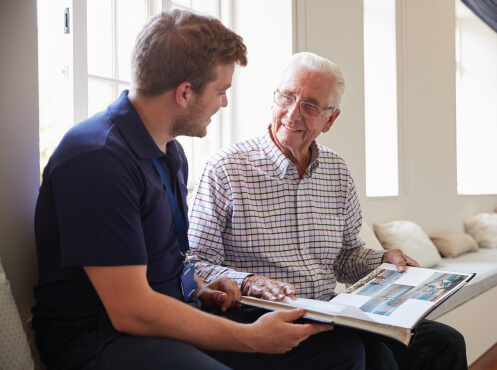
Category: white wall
<point>19,153</point>
<point>268,50</point>
<point>427,105</point>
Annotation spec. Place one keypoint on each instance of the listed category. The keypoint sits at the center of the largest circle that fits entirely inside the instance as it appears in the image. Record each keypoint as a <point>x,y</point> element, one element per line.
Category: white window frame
<point>79,68</point>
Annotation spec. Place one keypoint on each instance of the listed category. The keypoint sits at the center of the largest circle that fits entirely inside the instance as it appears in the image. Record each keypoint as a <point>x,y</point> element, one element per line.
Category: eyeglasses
<point>306,109</point>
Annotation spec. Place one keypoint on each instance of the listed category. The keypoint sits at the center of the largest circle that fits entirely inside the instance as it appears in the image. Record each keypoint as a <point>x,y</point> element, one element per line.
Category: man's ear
<point>332,119</point>
<point>183,94</point>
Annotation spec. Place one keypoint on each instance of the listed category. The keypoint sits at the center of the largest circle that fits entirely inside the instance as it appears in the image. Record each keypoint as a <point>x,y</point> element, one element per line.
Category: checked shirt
<point>252,214</point>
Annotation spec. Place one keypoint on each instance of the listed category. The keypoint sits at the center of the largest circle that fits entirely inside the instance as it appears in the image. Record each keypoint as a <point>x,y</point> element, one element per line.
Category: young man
<point>115,288</point>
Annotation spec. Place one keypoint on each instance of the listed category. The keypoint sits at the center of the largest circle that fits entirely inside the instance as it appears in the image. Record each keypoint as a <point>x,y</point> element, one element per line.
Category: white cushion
<point>410,239</point>
<point>483,227</point>
<point>14,348</point>
<point>367,235</point>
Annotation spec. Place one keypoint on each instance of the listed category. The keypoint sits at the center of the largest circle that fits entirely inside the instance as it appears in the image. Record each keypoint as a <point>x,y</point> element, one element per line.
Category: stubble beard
<point>189,124</point>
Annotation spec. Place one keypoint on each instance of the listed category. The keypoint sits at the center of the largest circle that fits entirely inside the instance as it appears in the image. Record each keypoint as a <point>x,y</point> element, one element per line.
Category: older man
<point>280,214</point>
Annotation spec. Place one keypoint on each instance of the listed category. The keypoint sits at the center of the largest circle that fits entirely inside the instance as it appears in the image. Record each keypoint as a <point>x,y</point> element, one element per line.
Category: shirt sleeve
<point>96,195</point>
<point>209,216</point>
<point>354,260</point>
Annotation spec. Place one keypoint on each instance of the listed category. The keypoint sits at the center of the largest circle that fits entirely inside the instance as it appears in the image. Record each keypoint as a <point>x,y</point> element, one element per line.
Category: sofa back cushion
<point>452,244</point>
<point>410,238</point>
<point>483,227</point>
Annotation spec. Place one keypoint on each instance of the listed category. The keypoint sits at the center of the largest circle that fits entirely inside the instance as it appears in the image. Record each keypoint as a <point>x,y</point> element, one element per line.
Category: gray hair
<point>317,63</point>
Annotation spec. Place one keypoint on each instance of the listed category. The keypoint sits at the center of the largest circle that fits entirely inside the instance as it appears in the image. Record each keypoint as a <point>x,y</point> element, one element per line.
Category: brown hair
<point>181,46</point>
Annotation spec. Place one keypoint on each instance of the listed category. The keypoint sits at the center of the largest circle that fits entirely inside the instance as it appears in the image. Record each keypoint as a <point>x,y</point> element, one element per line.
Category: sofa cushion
<point>14,348</point>
<point>451,244</point>
<point>369,238</point>
<point>410,238</point>
<point>483,227</point>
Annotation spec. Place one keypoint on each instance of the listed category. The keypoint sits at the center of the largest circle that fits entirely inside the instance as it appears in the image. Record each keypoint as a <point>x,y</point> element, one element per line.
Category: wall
<point>427,102</point>
<point>19,166</point>
<point>268,50</point>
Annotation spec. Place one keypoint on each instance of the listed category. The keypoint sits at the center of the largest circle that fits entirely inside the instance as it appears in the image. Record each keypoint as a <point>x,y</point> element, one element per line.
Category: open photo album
<point>385,302</point>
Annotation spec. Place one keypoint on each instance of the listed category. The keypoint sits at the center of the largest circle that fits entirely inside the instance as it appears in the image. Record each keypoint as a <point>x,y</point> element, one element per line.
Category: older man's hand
<point>266,288</point>
<point>399,259</point>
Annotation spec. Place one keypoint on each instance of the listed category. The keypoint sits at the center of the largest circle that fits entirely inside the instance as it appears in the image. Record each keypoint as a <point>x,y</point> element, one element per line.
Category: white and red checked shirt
<point>252,214</point>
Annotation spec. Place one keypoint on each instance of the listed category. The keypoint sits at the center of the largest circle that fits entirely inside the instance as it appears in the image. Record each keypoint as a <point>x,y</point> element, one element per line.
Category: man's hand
<point>222,292</point>
<point>399,259</point>
<point>269,289</point>
<point>275,332</point>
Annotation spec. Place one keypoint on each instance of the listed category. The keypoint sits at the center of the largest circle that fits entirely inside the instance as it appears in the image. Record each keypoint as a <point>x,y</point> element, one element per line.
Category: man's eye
<point>310,109</point>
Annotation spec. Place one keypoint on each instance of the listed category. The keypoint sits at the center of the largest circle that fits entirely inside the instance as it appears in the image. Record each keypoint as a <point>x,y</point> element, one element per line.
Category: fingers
<point>292,315</point>
<point>269,289</point>
<point>227,293</point>
<point>399,259</point>
<point>278,333</point>
<point>412,262</point>
<point>223,292</point>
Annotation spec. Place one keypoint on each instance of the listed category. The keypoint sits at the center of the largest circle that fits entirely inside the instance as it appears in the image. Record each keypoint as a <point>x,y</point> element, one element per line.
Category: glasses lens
<point>309,110</point>
<point>282,100</point>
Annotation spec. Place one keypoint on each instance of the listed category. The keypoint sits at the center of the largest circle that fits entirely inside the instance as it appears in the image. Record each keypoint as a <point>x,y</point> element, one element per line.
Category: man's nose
<point>294,112</point>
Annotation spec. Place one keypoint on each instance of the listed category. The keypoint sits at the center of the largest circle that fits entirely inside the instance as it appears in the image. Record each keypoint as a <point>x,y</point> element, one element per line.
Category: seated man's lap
<point>435,346</point>
<point>336,349</point>
<point>133,352</point>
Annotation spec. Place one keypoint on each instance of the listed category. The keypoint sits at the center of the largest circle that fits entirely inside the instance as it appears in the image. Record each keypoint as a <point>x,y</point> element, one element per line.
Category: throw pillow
<point>14,348</point>
<point>483,227</point>
<point>410,239</point>
<point>451,244</point>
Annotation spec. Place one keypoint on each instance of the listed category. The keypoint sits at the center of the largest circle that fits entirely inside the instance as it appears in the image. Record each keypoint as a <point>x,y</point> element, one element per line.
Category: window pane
<point>476,48</point>
<point>100,34</point>
<point>131,16</point>
<point>380,80</point>
<point>100,95</point>
<point>184,3</point>
<point>55,82</point>
<point>205,6</point>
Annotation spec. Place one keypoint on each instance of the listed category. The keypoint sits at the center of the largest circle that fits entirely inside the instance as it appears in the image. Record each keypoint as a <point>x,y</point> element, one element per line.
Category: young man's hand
<point>222,292</point>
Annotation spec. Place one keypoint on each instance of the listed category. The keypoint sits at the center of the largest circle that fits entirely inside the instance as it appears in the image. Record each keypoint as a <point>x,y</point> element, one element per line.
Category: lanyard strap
<point>178,218</point>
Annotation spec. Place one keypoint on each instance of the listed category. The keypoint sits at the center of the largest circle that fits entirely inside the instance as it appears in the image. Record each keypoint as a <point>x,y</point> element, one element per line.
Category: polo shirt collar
<point>129,123</point>
<point>280,161</point>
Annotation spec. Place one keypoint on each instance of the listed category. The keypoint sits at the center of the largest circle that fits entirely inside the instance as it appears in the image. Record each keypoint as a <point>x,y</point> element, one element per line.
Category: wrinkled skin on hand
<point>266,288</point>
<point>399,259</point>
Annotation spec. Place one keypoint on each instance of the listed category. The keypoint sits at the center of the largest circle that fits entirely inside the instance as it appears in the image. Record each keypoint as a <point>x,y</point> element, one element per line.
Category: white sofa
<point>472,310</point>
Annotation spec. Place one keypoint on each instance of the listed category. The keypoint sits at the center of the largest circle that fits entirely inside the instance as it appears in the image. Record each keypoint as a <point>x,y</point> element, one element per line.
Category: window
<point>476,92</point>
<point>380,85</point>
<point>77,82</point>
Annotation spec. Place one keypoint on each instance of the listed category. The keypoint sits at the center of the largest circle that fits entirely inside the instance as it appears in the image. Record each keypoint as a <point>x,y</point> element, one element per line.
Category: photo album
<point>386,302</point>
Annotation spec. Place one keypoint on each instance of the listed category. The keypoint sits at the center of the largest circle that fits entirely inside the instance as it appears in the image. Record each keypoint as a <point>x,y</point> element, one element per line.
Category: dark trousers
<point>436,346</point>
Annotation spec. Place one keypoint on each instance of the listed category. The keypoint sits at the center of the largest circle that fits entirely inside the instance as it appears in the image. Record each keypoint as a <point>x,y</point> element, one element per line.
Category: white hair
<point>317,63</point>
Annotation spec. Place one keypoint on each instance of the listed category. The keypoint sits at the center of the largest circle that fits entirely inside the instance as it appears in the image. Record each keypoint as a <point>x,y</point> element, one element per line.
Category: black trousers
<point>436,346</point>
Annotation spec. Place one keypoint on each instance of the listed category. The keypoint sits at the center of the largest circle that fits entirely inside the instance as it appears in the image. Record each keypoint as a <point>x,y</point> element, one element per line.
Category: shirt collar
<point>129,123</point>
<point>280,161</point>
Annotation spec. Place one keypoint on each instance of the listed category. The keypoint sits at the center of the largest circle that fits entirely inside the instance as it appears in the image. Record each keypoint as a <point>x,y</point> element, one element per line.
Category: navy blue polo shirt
<point>102,203</point>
